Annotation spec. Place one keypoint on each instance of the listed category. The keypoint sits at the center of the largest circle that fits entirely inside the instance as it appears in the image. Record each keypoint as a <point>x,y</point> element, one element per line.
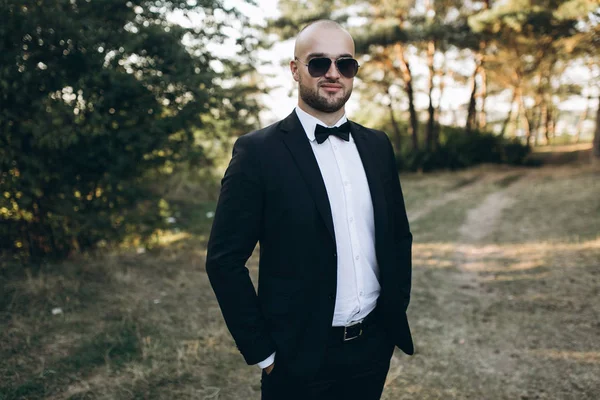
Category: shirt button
<point>345,183</point>
<point>361,293</point>
<point>357,257</point>
<point>335,147</point>
<point>351,219</point>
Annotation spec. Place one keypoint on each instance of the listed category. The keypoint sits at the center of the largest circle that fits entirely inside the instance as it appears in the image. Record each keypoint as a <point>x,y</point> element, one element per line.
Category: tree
<point>396,25</point>
<point>596,145</point>
<point>528,40</point>
<point>519,46</point>
<point>92,98</point>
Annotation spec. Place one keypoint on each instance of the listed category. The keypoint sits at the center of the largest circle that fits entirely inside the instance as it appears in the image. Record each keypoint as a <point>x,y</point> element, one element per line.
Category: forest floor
<point>505,302</point>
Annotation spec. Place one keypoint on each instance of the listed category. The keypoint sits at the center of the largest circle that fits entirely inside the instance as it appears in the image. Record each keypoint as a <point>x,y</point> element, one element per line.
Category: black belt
<point>354,331</point>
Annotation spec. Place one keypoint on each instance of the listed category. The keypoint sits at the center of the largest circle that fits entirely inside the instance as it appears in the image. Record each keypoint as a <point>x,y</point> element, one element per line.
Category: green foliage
<point>295,15</point>
<point>514,152</point>
<point>458,150</point>
<point>93,97</point>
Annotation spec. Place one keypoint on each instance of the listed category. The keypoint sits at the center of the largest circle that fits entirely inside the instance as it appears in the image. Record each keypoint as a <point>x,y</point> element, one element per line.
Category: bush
<point>515,153</point>
<point>89,109</point>
<point>458,150</point>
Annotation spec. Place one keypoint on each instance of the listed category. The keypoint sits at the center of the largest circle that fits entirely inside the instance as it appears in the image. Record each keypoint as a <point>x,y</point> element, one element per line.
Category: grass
<point>113,348</point>
<point>505,302</point>
<point>418,188</point>
<point>563,206</point>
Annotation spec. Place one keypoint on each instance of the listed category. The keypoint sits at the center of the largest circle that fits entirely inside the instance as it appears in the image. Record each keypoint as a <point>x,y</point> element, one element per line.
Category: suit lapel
<point>295,139</point>
<point>299,146</point>
<point>373,173</point>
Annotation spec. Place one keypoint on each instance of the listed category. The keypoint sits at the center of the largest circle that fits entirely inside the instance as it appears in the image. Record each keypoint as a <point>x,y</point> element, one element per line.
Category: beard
<point>323,103</point>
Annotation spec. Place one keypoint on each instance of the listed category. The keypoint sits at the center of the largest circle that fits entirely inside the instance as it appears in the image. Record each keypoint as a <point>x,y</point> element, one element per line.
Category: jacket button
<point>330,296</point>
<point>334,255</point>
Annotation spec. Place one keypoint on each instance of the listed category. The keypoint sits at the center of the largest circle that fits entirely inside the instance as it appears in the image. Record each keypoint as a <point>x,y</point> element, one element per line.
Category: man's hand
<point>269,369</point>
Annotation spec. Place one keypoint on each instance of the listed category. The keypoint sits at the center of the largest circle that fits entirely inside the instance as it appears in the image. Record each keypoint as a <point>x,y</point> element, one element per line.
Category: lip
<point>328,87</point>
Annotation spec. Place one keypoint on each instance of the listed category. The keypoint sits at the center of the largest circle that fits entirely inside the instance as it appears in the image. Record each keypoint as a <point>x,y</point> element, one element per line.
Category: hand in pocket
<point>269,369</point>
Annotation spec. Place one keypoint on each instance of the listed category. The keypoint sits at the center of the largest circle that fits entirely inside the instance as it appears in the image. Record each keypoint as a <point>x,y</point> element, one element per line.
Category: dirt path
<point>433,204</point>
<point>478,227</point>
<point>457,345</point>
<point>473,255</point>
<point>481,221</point>
<point>503,296</point>
<point>465,188</point>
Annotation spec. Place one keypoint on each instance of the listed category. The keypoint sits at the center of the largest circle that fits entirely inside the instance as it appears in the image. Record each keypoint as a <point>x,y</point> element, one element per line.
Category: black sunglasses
<point>319,66</point>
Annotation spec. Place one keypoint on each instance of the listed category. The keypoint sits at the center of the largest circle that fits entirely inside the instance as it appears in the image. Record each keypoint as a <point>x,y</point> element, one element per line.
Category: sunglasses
<point>319,66</point>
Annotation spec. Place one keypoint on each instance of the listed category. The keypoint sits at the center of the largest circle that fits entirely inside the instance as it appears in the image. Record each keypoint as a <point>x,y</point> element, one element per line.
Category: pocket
<point>273,375</point>
<point>383,345</point>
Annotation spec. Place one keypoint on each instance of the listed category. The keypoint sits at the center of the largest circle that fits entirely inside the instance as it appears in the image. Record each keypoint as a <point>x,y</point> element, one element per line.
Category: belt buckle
<point>346,338</point>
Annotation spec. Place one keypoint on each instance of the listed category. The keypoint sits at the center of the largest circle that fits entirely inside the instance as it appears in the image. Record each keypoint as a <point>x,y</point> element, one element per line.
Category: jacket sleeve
<point>235,232</point>
<point>402,236</point>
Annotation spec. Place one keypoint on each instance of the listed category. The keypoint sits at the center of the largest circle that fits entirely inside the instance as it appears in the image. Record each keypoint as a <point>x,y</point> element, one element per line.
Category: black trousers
<point>353,370</point>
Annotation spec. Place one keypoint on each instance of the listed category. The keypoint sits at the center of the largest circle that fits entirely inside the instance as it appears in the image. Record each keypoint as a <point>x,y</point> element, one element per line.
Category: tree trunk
<point>470,124</point>
<point>408,87</point>
<point>582,118</point>
<point>431,111</point>
<point>550,123</point>
<point>438,111</point>
<point>536,119</point>
<point>397,134</point>
<point>542,125</point>
<point>509,116</point>
<point>482,120</point>
<point>523,113</point>
<point>596,147</point>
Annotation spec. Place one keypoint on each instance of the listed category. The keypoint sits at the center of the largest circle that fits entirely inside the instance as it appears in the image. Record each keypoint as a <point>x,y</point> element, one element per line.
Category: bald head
<point>323,92</point>
<point>311,35</point>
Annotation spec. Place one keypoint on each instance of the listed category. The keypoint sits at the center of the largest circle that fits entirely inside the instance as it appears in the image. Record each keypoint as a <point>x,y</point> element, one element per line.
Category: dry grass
<point>505,305</point>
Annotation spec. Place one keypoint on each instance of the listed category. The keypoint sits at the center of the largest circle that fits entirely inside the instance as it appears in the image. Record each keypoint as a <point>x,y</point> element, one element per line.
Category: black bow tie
<point>342,131</point>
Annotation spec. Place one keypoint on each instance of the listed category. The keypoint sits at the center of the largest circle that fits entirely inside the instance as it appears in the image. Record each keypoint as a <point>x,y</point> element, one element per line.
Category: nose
<point>332,72</point>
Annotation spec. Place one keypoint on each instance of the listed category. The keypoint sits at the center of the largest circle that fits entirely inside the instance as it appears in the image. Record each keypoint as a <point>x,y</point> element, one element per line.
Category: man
<point>335,245</point>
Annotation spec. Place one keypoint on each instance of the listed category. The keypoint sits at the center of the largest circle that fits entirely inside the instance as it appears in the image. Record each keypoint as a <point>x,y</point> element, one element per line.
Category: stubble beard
<point>322,103</point>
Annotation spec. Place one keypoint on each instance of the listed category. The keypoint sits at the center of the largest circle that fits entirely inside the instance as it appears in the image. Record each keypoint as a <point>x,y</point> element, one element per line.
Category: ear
<point>294,70</point>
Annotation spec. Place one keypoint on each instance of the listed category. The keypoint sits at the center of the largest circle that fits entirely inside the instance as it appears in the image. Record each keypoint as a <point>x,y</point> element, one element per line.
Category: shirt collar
<point>309,123</point>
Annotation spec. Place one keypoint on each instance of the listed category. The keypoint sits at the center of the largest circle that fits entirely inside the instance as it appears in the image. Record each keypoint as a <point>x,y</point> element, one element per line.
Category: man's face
<point>327,93</point>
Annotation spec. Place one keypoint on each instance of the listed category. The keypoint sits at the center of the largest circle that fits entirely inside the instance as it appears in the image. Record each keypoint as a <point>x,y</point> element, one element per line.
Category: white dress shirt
<point>352,212</point>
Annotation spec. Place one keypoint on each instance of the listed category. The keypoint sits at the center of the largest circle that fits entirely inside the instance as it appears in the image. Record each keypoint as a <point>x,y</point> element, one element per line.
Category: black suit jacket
<point>273,193</point>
